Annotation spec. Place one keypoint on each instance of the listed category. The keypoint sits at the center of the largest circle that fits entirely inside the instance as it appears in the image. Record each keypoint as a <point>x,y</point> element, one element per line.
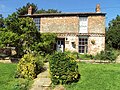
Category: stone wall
<point>96,24</point>
<point>71,43</point>
<point>61,24</point>
<point>70,24</point>
<point>98,46</point>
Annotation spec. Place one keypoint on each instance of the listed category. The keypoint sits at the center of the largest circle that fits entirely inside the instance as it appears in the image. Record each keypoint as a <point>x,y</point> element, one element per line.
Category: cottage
<point>79,32</point>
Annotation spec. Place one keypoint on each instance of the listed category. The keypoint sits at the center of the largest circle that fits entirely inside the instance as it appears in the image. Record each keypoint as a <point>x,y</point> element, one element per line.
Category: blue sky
<point>111,7</point>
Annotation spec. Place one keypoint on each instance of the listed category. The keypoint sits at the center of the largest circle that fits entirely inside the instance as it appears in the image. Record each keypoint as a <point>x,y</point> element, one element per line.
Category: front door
<point>60,45</point>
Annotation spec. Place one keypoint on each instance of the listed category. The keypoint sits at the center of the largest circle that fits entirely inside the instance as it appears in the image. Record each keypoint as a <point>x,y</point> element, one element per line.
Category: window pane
<point>83,25</point>
<point>83,47</point>
<point>37,22</point>
<point>82,43</point>
<point>61,42</point>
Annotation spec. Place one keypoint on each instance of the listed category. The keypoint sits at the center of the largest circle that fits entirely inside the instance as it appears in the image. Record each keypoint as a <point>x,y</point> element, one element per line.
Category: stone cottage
<point>82,32</point>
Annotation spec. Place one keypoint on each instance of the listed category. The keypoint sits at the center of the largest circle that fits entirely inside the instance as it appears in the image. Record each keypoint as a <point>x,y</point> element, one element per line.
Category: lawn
<point>97,77</point>
<point>8,80</point>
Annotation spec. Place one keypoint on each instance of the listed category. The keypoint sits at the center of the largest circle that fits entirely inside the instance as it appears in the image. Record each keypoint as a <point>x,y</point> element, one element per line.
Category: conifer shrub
<point>29,66</point>
<point>107,55</point>
<point>63,69</point>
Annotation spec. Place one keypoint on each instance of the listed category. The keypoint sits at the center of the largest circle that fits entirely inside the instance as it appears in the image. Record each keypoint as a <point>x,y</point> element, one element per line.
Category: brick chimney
<point>30,10</point>
<point>98,8</point>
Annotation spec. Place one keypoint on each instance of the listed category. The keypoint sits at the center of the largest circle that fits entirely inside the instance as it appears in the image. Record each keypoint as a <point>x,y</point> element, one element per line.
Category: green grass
<point>97,77</point>
<point>8,80</point>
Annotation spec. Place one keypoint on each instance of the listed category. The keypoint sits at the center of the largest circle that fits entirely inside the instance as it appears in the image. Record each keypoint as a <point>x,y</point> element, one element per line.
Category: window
<point>83,44</point>
<point>83,25</point>
<point>37,23</point>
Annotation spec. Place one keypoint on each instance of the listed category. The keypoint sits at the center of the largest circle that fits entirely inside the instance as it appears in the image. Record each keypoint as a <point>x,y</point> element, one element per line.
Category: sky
<point>110,7</point>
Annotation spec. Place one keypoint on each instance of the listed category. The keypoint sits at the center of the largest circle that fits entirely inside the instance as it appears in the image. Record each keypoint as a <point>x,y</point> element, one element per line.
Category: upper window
<point>83,25</point>
<point>37,23</point>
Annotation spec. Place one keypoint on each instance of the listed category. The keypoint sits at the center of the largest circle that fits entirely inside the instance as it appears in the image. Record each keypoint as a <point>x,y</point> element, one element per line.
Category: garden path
<point>43,81</point>
<point>118,59</point>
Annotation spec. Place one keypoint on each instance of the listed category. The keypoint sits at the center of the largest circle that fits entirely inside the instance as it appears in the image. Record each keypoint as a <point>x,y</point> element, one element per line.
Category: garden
<point>33,49</point>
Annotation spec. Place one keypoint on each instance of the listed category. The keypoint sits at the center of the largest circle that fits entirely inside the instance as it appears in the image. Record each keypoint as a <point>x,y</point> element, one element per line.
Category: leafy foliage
<point>77,55</point>
<point>24,10</point>
<point>29,66</point>
<point>63,69</point>
<point>20,33</point>
<point>1,21</point>
<point>47,41</point>
<point>21,84</point>
<point>113,33</point>
<point>107,55</point>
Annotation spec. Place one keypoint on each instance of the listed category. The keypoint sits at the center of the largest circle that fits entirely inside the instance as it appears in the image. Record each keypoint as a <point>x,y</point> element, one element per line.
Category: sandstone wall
<point>61,24</point>
<point>71,43</point>
<point>70,24</point>
<point>96,24</point>
<point>99,45</point>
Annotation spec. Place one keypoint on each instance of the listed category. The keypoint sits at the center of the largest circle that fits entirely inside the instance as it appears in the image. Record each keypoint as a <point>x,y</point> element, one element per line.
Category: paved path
<point>118,59</point>
<point>43,81</point>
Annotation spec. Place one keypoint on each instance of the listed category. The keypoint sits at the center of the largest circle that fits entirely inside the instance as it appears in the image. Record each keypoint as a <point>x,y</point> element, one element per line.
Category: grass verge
<point>8,80</point>
<point>97,77</point>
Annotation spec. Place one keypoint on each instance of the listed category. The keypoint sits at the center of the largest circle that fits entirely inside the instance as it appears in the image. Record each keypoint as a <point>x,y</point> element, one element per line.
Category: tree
<point>24,10</point>
<point>20,33</point>
<point>1,21</point>
<point>47,43</point>
<point>113,33</point>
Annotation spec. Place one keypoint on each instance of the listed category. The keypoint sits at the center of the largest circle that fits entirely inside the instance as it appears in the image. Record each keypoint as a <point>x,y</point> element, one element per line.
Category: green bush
<point>47,58</point>
<point>29,66</point>
<point>107,55</point>
<point>22,84</point>
<point>77,55</point>
<point>63,69</point>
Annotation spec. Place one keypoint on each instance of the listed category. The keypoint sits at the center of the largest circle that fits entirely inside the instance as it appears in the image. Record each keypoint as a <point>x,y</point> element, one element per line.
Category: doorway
<point>60,45</point>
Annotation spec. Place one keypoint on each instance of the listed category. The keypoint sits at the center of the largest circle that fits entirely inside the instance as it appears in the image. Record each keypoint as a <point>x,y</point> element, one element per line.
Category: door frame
<point>61,39</point>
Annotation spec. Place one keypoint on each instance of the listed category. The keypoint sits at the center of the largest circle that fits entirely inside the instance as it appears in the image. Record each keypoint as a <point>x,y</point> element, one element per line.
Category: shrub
<point>47,58</point>
<point>22,84</point>
<point>77,55</point>
<point>63,69</point>
<point>29,66</point>
<point>107,55</point>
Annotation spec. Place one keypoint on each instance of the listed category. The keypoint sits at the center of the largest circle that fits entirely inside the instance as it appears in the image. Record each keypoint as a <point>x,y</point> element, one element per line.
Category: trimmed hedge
<point>29,66</point>
<point>63,69</point>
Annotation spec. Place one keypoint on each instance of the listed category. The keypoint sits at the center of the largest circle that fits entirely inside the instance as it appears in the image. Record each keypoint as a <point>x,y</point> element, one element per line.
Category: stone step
<point>41,83</point>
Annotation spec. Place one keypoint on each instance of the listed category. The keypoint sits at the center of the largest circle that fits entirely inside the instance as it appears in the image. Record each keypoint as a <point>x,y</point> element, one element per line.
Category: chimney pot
<point>30,10</point>
<point>98,8</point>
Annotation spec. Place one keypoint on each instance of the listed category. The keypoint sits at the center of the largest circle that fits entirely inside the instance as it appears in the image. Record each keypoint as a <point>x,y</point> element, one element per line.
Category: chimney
<point>98,8</point>
<point>30,10</point>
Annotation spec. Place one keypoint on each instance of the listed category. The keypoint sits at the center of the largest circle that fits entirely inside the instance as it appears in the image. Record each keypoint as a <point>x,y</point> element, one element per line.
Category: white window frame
<point>83,45</point>
<point>37,23</point>
<point>83,24</point>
